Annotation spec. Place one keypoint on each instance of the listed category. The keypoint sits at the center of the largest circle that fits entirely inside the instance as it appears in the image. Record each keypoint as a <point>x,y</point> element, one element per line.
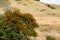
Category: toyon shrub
<point>17,26</point>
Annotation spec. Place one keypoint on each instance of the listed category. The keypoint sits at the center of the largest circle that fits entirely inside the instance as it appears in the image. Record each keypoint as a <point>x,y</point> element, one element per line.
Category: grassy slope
<point>55,6</point>
<point>45,16</point>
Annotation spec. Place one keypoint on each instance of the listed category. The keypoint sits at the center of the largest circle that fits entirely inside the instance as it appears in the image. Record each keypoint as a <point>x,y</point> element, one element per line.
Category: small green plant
<point>50,38</point>
<point>17,26</point>
<point>37,0</point>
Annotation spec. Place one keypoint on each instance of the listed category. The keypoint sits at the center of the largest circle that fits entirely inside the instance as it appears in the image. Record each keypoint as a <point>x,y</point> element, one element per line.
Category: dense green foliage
<point>17,26</point>
<point>50,38</point>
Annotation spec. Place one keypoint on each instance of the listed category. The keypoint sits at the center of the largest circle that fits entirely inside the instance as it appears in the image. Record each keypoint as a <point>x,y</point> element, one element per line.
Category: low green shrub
<point>50,38</point>
<point>17,26</point>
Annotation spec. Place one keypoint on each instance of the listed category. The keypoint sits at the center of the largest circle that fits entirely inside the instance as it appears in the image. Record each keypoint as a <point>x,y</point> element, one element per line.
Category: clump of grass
<point>37,0</point>
<point>50,38</point>
<point>17,26</point>
<point>51,6</point>
<point>52,14</point>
